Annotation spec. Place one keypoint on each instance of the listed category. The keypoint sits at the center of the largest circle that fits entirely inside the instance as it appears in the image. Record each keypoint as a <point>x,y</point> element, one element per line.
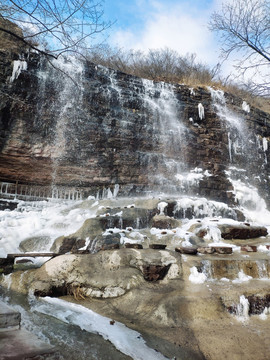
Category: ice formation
<point>18,67</point>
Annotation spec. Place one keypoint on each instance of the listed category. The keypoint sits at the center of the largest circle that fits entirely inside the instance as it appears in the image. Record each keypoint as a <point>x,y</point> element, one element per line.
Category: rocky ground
<point>209,299</point>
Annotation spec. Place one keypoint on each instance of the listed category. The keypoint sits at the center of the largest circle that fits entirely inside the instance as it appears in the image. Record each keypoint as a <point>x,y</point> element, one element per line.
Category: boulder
<point>242,231</point>
<point>164,222</point>
<point>65,244</point>
<point>205,250</point>
<point>157,246</point>
<point>36,243</point>
<point>222,249</point>
<point>249,248</point>
<point>8,205</point>
<point>186,250</point>
<point>90,229</point>
<point>105,242</point>
<point>101,275</point>
<point>133,246</point>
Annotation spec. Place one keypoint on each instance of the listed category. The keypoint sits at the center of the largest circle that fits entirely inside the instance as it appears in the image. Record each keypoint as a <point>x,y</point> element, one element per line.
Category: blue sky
<point>178,24</point>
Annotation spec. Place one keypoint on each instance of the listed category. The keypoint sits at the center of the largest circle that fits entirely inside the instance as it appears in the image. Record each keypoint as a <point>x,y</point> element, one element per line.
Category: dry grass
<point>168,66</point>
<point>77,292</point>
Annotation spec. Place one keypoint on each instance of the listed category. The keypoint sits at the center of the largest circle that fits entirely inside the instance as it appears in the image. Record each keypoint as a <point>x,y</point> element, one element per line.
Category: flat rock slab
<point>242,231</point>
<point>9,318</point>
<point>22,345</point>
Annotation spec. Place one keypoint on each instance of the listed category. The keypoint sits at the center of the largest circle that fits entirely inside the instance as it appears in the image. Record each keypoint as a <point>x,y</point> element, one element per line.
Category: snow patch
<point>245,107</point>
<point>196,277</point>
<point>242,277</point>
<point>161,207</point>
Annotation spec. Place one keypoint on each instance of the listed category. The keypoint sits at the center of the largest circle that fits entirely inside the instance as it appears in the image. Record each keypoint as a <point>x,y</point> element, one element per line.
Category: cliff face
<point>83,125</point>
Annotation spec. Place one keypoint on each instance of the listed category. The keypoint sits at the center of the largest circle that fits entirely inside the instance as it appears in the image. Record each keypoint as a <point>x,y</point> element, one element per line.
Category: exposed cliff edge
<point>82,125</point>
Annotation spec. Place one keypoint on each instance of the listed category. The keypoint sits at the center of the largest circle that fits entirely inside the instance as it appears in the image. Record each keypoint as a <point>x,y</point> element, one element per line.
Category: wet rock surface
<point>123,141</point>
<point>108,139</point>
<point>6,265</point>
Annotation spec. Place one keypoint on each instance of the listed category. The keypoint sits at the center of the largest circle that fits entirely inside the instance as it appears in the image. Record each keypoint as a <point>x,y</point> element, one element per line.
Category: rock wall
<point>82,125</point>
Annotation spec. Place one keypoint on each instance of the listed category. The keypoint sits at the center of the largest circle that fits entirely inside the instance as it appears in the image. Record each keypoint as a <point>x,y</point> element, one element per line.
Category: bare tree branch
<point>65,25</point>
<point>244,28</point>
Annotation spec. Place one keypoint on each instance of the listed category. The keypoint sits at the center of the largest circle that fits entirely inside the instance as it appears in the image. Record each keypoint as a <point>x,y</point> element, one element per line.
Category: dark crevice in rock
<point>155,272</point>
<point>53,291</point>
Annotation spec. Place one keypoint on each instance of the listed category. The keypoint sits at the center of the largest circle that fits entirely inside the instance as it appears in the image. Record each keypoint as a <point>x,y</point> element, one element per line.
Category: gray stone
<point>9,318</point>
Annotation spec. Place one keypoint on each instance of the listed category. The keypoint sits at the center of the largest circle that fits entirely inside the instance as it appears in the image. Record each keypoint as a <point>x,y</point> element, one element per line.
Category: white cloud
<point>176,27</point>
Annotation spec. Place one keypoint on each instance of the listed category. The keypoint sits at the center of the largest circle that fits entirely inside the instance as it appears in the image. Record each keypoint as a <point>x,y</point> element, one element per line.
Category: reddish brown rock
<point>205,250</point>
<point>249,248</point>
<point>187,250</point>
<point>157,246</point>
<point>133,246</point>
<point>242,231</point>
<point>222,249</point>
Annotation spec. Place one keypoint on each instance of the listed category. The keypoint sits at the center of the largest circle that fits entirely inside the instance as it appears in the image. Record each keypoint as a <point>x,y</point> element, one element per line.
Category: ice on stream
<point>128,341</point>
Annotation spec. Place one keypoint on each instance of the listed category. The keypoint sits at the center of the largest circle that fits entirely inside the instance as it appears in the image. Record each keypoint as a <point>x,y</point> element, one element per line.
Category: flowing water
<point>73,328</point>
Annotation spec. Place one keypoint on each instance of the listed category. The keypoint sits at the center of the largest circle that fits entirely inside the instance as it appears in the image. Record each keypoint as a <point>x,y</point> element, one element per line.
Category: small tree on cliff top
<point>64,25</point>
<point>244,27</point>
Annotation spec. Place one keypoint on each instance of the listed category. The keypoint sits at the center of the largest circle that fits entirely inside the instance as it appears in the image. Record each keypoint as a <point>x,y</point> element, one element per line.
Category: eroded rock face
<point>102,275</point>
<point>115,129</point>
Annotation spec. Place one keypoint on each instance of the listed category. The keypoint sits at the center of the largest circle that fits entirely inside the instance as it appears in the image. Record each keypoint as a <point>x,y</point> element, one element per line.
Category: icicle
<point>230,146</point>
<point>18,66</point>
<point>265,144</point>
<point>115,190</point>
<point>201,111</point>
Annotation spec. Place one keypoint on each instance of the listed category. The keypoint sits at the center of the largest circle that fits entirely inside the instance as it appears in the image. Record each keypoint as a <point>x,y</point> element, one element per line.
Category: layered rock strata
<point>93,128</point>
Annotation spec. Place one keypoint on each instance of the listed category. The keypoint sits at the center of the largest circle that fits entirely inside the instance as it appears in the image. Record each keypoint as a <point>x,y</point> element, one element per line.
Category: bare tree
<point>244,28</point>
<point>61,26</point>
<point>157,64</point>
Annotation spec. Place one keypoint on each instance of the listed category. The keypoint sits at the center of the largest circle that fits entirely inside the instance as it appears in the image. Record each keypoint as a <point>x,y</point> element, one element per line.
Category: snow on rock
<point>242,277</point>
<point>245,107</point>
<point>195,277</point>
<point>161,207</point>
